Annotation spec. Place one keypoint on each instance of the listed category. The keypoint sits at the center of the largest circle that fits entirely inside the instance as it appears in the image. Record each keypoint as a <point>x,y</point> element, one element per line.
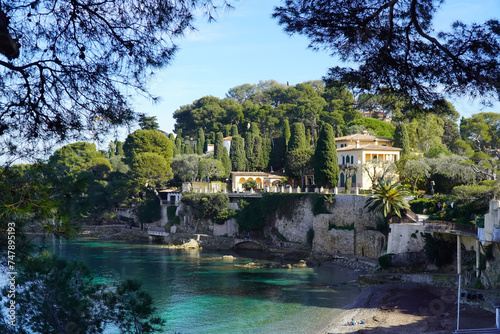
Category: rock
<point>228,258</point>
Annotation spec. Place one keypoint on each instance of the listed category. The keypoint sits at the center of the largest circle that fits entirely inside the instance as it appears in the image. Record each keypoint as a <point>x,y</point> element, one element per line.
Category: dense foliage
<point>396,46</point>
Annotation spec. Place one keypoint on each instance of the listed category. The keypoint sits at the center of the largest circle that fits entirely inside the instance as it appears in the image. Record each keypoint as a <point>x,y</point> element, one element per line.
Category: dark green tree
<point>298,137</point>
<point>75,64</point>
<point>237,154</point>
<point>278,153</point>
<point>152,141</point>
<point>221,154</point>
<point>401,139</point>
<point>299,162</point>
<point>218,146</point>
<point>234,130</point>
<point>326,168</point>
<point>396,46</point>
<point>286,130</point>
<point>200,142</point>
<point>148,122</point>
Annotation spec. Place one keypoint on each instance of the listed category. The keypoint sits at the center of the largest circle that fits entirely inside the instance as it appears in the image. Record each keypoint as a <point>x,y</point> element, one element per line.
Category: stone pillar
<point>298,190</point>
<point>164,216</point>
<point>357,191</point>
<point>321,190</point>
<point>336,190</point>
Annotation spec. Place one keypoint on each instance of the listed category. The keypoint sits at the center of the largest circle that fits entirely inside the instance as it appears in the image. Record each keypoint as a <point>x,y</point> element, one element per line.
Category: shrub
<point>385,261</point>
<point>421,204</point>
<point>320,203</point>
<point>210,206</point>
<point>172,218</point>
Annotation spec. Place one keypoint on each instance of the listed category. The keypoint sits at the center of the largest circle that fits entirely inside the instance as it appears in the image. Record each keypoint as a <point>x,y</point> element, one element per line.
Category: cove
<point>196,291</point>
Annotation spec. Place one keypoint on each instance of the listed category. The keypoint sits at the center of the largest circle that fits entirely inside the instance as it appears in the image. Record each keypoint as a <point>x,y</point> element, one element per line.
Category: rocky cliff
<point>348,229</point>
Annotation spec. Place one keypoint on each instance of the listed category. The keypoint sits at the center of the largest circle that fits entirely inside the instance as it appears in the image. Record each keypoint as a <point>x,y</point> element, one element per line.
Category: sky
<point>246,45</point>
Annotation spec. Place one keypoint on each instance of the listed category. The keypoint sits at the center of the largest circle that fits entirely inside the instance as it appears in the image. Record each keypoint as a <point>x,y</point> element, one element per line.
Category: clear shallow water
<point>197,292</point>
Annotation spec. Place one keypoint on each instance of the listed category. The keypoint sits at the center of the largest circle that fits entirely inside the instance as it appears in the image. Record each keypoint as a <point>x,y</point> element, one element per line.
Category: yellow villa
<point>359,149</point>
<point>263,179</point>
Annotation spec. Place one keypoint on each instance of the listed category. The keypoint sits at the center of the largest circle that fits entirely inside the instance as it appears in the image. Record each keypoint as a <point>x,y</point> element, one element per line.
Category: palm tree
<point>388,199</point>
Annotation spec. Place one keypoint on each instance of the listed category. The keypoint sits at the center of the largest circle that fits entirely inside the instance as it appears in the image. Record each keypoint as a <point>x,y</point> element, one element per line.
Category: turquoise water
<point>197,292</point>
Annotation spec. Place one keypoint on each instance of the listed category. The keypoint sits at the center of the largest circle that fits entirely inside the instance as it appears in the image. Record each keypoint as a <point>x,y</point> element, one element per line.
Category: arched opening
<point>347,159</point>
<point>259,182</point>
<point>343,160</point>
<point>342,181</point>
<point>353,180</point>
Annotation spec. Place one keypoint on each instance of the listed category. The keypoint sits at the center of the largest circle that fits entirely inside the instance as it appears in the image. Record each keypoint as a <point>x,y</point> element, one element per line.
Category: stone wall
<point>363,240</point>
<point>405,238</point>
<point>347,210</point>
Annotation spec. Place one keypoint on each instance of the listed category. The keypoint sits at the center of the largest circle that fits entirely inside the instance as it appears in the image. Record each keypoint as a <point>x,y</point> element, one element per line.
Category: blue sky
<point>246,45</point>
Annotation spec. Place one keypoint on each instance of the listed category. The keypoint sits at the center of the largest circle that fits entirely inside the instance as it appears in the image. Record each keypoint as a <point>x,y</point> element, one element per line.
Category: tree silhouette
<point>396,46</point>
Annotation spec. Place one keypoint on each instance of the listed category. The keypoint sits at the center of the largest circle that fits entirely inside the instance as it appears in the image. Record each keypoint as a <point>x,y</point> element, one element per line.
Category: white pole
<point>458,304</point>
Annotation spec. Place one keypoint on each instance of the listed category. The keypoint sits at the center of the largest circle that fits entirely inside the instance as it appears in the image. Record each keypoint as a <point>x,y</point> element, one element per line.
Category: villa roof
<point>362,137</point>
<point>371,147</point>
<point>264,174</point>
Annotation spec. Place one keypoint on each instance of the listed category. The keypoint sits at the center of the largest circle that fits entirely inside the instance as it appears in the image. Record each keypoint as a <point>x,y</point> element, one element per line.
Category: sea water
<point>196,291</point>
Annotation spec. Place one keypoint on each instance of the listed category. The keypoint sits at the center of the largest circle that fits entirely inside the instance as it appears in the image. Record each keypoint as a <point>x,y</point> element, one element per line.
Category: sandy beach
<point>408,308</point>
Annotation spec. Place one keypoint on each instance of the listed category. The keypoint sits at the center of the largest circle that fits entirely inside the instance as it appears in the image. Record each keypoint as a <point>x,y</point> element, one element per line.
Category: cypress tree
<point>298,137</point>
<point>218,146</point>
<point>178,145</point>
<point>237,154</point>
<point>326,168</point>
<point>278,153</point>
<point>200,142</point>
<point>119,148</point>
<point>227,130</point>
<point>220,153</point>
<point>286,130</point>
<point>226,162</point>
<point>266,152</point>
<point>234,130</point>
<point>258,154</point>
<point>249,151</point>
<point>401,139</point>
<point>254,129</point>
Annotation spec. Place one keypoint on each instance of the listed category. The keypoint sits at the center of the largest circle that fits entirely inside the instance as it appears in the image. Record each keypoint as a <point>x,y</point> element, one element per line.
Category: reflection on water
<point>198,292</point>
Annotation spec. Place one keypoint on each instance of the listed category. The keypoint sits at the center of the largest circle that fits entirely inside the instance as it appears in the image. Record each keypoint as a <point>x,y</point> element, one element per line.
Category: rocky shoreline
<point>119,232</point>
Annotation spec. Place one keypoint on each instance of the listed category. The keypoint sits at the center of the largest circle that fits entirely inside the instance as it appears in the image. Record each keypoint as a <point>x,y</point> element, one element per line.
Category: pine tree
<point>326,168</point>
<point>200,142</point>
<point>401,139</point>
<point>298,137</point>
<point>237,154</point>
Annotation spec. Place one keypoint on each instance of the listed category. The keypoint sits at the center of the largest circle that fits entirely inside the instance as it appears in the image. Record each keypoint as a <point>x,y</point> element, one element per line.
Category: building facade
<point>362,157</point>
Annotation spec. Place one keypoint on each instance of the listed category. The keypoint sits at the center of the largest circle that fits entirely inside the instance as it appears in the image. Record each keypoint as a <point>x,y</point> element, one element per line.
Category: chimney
<point>357,143</point>
<point>376,141</point>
